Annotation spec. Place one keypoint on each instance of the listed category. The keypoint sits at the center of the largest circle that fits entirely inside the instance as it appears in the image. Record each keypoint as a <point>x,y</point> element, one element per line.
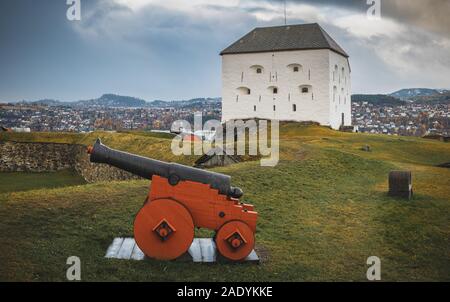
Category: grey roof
<point>287,37</point>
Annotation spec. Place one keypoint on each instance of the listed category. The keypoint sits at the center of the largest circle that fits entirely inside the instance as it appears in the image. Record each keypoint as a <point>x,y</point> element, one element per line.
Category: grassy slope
<point>21,181</point>
<point>323,212</point>
<point>156,145</point>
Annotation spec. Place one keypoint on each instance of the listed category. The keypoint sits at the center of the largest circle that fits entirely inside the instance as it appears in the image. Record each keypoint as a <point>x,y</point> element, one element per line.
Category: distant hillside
<point>378,99</point>
<point>410,93</point>
<point>186,103</point>
<point>441,98</point>
<point>114,100</point>
<point>106,100</point>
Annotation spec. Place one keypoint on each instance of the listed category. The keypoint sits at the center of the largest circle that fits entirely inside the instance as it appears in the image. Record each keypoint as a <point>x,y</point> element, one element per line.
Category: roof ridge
<point>288,25</point>
<point>284,38</point>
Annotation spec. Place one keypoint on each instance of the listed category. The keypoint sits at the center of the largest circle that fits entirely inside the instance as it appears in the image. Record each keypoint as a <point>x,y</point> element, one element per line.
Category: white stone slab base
<point>201,250</point>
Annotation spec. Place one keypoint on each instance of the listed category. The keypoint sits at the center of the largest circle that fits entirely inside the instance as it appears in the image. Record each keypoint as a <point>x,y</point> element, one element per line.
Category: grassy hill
<point>323,211</point>
<point>155,145</point>
<point>377,99</point>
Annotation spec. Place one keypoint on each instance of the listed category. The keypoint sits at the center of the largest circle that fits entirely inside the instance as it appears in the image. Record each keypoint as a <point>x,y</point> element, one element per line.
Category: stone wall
<point>50,157</point>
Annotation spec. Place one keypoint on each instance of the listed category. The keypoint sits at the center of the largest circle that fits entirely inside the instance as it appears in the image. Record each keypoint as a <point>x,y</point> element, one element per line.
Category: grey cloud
<point>432,15</point>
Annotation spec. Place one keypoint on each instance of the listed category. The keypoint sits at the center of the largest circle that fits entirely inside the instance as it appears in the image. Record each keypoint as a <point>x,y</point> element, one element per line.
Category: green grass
<point>155,145</point>
<point>323,211</point>
<point>22,181</point>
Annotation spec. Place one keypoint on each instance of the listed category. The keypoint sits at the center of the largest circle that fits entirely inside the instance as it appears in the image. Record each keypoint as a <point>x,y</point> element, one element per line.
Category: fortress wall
<point>51,157</point>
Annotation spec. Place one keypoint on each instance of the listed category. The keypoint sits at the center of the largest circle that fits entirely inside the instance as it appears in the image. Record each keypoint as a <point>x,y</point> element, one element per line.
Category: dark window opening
<point>305,90</point>
<point>248,91</point>
<point>274,108</point>
<point>275,90</point>
<point>258,70</point>
<point>296,69</point>
<point>254,108</point>
<point>294,108</point>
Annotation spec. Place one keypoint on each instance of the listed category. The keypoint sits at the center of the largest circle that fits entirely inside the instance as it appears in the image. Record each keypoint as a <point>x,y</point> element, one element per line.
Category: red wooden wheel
<point>235,240</point>
<point>163,229</point>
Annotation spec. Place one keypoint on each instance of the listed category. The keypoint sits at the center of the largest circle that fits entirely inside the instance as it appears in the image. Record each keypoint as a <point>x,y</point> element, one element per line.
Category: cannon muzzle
<point>147,167</point>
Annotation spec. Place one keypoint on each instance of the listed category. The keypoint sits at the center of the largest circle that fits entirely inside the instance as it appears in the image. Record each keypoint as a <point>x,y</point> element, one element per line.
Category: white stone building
<point>287,73</point>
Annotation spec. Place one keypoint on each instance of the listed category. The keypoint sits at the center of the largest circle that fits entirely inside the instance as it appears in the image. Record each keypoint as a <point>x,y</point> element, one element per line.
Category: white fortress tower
<point>287,73</point>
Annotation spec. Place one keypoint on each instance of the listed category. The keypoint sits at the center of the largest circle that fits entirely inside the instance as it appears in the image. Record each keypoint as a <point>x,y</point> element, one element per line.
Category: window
<point>309,74</point>
<point>254,108</point>
<point>257,69</point>
<point>274,108</point>
<point>272,89</point>
<point>304,89</point>
<point>244,91</point>
<point>336,71</point>
<point>294,107</point>
<point>295,67</point>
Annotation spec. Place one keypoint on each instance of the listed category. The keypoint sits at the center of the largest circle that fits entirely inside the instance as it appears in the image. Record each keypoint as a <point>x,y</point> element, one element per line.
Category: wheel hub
<point>164,230</point>
<point>235,240</point>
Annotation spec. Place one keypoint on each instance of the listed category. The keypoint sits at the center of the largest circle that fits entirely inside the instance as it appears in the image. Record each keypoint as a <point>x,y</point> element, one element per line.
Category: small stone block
<point>126,249</point>
<point>114,248</point>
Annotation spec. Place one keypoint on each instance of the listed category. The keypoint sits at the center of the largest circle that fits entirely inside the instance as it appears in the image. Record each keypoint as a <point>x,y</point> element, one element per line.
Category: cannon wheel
<point>163,229</point>
<point>235,240</point>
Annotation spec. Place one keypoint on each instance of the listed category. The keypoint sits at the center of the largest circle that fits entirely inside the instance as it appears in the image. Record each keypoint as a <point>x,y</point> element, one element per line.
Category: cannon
<point>180,199</point>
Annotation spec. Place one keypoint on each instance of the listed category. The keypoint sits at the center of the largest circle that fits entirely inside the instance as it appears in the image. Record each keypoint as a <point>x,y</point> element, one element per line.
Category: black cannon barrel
<point>147,167</point>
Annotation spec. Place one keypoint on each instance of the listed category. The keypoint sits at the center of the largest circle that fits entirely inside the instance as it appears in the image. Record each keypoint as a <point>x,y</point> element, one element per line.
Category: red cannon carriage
<point>180,199</point>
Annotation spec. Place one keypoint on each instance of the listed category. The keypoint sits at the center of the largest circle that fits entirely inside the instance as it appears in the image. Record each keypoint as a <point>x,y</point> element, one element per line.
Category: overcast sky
<point>169,49</point>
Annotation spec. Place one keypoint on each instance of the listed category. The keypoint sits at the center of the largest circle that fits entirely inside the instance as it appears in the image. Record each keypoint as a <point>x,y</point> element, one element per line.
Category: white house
<point>287,73</point>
